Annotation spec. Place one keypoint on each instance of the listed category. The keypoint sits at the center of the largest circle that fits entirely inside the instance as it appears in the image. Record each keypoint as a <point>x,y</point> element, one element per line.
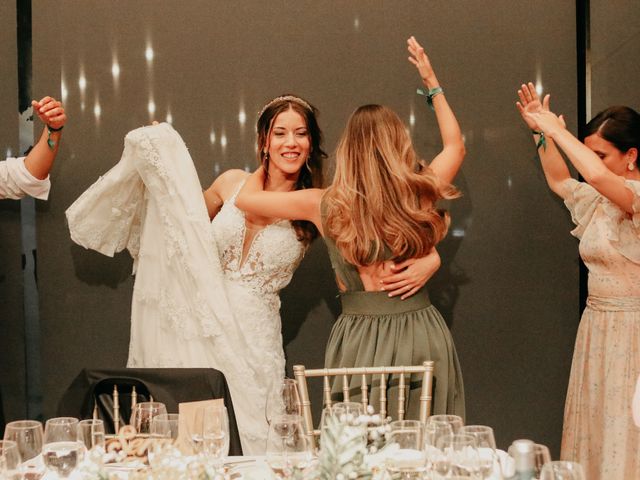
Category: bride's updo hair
<point>311,173</point>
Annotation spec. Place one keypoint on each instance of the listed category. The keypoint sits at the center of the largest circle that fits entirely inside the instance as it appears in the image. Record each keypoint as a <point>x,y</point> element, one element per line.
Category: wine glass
<point>142,414</point>
<point>61,451</point>
<point>287,446</point>
<point>541,456</point>
<point>91,433</point>
<point>348,413</point>
<point>210,433</point>
<point>9,460</point>
<point>283,400</point>
<point>164,433</point>
<point>488,459</point>
<point>462,452</point>
<point>437,460</point>
<point>27,434</point>
<point>409,461</point>
<point>455,421</point>
<point>561,470</point>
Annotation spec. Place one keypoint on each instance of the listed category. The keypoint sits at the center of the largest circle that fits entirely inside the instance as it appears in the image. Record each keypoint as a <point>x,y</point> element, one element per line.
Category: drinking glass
<point>560,470</point>
<point>455,421</point>
<point>541,457</point>
<point>61,451</point>
<point>163,436</point>
<point>485,441</point>
<point>210,433</point>
<point>287,446</point>
<point>348,413</point>
<point>142,414</point>
<point>9,460</point>
<point>91,433</point>
<point>27,434</point>
<point>462,453</point>
<point>284,400</point>
<point>409,461</point>
<point>437,461</point>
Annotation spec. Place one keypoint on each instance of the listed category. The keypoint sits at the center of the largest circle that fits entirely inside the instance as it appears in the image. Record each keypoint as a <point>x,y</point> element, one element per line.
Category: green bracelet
<point>430,94</point>
<point>542,141</point>
<point>50,130</point>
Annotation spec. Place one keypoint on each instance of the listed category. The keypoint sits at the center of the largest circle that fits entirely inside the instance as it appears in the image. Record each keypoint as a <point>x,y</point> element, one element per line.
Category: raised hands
<point>51,112</point>
<point>420,59</point>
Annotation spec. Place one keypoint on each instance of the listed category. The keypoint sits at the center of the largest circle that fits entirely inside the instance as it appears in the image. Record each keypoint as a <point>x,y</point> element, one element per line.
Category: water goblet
<point>437,461</point>
<point>27,434</point>
<point>488,460</point>
<point>163,436</point>
<point>142,414</point>
<point>283,400</point>
<point>9,460</point>
<point>455,421</point>
<point>561,470</point>
<point>462,453</point>
<point>209,433</point>
<point>410,460</point>
<point>61,451</point>
<point>287,447</point>
<point>91,433</point>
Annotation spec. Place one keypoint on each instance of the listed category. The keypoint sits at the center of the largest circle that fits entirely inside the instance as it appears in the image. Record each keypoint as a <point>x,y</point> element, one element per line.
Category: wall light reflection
<point>169,117</point>
<point>9,153</point>
<point>242,117</point>
<point>151,107</point>
<point>148,53</point>
<point>82,82</point>
<point>457,232</point>
<point>223,140</point>
<point>97,110</point>
<point>412,119</point>
<point>115,70</point>
<point>64,93</point>
<point>212,137</point>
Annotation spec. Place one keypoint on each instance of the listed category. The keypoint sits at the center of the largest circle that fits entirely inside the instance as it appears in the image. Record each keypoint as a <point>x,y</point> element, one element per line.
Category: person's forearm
<point>585,160</point>
<point>40,159</point>
<point>553,165</point>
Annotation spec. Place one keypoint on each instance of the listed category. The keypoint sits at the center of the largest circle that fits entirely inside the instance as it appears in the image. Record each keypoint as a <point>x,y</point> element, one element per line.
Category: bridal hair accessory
<point>286,98</point>
<point>430,94</point>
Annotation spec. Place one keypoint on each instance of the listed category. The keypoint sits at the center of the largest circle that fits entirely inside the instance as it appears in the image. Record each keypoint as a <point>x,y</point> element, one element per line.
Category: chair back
<point>115,398</point>
<point>366,375</point>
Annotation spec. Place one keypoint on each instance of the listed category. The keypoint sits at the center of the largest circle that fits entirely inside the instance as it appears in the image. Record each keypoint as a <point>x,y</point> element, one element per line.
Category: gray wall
<point>508,286</point>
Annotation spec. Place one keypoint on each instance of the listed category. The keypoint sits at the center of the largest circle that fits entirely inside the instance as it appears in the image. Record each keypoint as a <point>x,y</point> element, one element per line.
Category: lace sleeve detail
<point>107,216</point>
<point>582,200</point>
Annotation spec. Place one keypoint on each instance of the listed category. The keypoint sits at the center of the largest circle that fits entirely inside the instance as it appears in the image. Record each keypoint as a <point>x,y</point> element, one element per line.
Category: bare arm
<point>553,165</point>
<point>447,163</point>
<point>222,188</point>
<point>586,161</point>
<point>40,159</point>
<point>296,205</point>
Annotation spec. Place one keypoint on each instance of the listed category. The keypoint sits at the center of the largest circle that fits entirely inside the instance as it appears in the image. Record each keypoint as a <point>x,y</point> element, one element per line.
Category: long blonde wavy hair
<point>382,197</point>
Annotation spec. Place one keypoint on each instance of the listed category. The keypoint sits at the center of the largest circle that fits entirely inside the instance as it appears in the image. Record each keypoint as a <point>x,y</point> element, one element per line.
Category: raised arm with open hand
<point>447,163</point>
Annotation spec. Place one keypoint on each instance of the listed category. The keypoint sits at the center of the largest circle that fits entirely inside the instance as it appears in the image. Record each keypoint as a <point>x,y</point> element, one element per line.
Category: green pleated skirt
<point>375,330</point>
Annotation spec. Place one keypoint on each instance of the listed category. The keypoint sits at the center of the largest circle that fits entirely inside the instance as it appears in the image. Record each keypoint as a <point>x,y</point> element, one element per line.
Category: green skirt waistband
<point>379,303</point>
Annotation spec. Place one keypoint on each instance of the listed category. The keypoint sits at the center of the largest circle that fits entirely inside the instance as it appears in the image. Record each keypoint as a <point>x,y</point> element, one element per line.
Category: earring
<point>306,162</point>
<point>631,166</point>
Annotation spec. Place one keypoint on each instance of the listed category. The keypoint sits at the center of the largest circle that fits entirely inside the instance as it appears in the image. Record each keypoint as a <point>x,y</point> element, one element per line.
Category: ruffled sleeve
<point>622,229</point>
<point>107,217</point>
<point>582,200</point>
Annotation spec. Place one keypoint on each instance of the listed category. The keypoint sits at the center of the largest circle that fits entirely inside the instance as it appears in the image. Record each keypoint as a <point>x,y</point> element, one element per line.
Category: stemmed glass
<point>209,433</point>
<point>287,445</point>
<point>485,441</point>
<point>164,433</point>
<point>455,421</point>
<point>9,460</point>
<point>91,433</point>
<point>142,414</point>
<point>27,434</point>
<point>560,470</point>
<point>62,452</point>
<point>284,400</point>
<point>437,460</point>
<point>462,452</point>
<point>410,460</point>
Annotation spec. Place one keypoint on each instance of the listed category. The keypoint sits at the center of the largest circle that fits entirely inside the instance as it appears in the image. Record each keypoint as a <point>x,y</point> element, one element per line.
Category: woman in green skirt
<point>380,212</point>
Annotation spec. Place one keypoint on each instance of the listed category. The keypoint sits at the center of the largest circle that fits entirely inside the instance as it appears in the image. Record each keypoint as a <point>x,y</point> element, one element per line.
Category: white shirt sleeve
<point>16,181</point>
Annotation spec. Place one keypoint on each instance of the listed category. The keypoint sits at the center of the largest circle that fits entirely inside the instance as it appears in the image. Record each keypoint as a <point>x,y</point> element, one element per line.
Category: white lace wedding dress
<point>196,301</point>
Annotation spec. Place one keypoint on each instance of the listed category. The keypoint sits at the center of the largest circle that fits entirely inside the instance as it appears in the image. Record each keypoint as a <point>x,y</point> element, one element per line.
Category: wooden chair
<point>301,374</point>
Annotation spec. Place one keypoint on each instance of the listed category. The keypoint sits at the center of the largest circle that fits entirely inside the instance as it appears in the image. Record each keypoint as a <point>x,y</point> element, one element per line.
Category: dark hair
<point>618,125</point>
<point>311,173</point>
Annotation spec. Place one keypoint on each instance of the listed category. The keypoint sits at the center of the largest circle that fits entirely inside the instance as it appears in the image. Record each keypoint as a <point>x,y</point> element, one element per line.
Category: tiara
<point>286,98</point>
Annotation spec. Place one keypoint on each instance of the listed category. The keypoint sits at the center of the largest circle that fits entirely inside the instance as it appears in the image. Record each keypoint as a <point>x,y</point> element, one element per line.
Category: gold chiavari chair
<point>107,396</point>
<point>365,373</point>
